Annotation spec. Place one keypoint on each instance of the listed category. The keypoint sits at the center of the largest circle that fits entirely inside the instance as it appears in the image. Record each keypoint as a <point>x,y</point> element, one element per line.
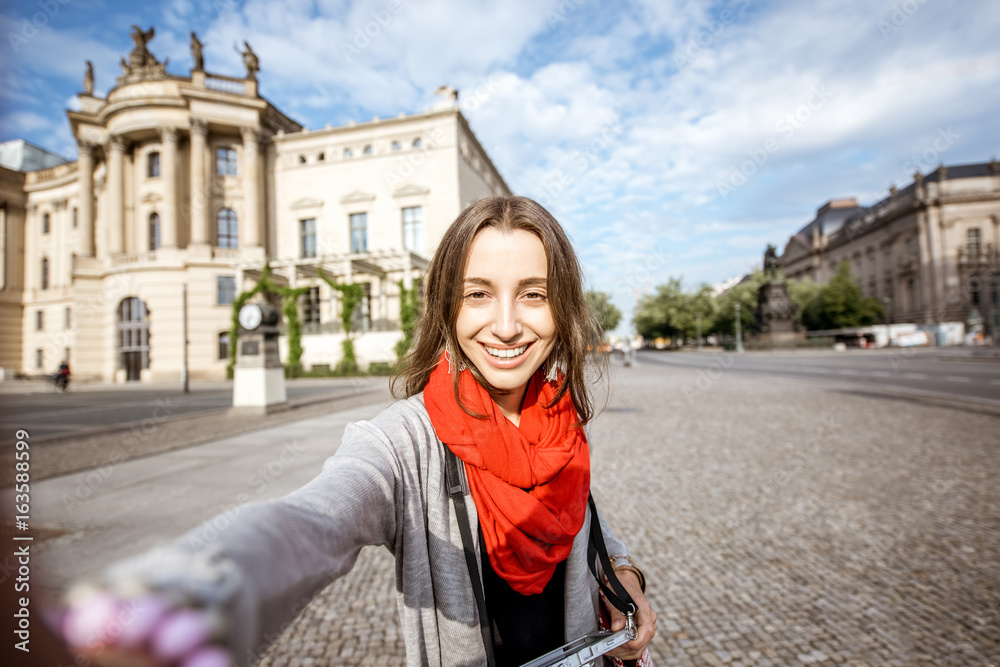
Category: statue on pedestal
<point>771,262</point>
<point>250,61</point>
<point>141,64</point>
<point>196,53</point>
<point>88,79</point>
<point>140,55</point>
<point>776,315</point>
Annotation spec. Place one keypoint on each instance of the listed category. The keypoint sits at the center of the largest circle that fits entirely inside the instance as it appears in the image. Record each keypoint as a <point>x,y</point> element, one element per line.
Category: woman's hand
<point>645,618</point>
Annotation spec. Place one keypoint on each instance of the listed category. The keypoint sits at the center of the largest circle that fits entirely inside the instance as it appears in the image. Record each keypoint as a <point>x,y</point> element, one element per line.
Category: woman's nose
<point>507,322</point>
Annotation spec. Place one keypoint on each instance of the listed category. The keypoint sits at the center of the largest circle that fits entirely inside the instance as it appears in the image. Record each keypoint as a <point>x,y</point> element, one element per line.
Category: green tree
<point>802,292</point>
<point>409,313</point>
<point>657,315</point>
<point>840,304</point>
<point>350,296</point>
<point>607,314</point>
<point>701,303</point>
<point>744,293</point>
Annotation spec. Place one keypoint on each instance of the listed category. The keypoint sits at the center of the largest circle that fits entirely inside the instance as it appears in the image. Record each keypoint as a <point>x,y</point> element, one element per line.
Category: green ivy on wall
<point>350,296</point>
<point>290,309</point>
<point>409,311</point>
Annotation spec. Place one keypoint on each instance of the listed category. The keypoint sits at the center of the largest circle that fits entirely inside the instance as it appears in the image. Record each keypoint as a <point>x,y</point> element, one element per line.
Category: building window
<point>416,142</point>
<point>76,215</point>
<point>39,320</point>
<point>413,228</point>
<point>995,291</point>
<point>67,319</point>
<point>153,165</point>
<point>66,355</point>
<point>308,234</point>
<point>368,149</point>
<point>321,157</point>
<point>45,273</point>
<point>223,345</point>
<point>225,162</point>
<point>154,231</point>
<point>911,295</point>
<point>348,154</point>
<point>228,229</point>
<point>225,290</point>
<point>39,358</point>
<point>302,159</point>
<point>46,223</point>
<point>395,146</point>
<point>309,305</point>
<point>359,232</point>
<point>974,242</point>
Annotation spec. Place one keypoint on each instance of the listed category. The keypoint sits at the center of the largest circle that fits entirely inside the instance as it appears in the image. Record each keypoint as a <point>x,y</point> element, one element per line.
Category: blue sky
<point>672,138</point>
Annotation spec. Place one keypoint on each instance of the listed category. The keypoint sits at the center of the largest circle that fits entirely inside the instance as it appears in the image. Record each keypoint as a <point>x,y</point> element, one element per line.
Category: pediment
<point>356,197</point>
<point>306,202</point>
<point>410,191</point>
<point>151,198</point>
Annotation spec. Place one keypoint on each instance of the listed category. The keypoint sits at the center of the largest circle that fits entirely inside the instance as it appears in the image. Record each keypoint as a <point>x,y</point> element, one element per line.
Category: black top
<point>524,626</point>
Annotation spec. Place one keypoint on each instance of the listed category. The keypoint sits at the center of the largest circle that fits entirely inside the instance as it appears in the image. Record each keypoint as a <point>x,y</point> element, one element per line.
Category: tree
<point>744,293</point>
<point>607,314</point>
<point>840,304</point>
<point>657,316</point>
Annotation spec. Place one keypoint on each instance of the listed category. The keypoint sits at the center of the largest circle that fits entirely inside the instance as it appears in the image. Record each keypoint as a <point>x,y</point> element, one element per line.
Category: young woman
<point>497,378</point>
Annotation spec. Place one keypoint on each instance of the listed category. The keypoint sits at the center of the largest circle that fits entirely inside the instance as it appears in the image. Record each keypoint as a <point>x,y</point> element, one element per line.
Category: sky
<point>672,138</point>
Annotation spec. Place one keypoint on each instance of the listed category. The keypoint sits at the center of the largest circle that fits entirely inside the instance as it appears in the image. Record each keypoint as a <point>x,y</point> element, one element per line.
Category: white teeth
<point>506,354</point>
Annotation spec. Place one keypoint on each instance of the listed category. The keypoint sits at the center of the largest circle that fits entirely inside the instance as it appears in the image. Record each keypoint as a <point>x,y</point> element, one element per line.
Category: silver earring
<point>555,366</point>
<point>448,355</point>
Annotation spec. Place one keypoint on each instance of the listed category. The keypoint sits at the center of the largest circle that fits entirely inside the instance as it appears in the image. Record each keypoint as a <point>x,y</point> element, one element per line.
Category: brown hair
<point>576,327</point>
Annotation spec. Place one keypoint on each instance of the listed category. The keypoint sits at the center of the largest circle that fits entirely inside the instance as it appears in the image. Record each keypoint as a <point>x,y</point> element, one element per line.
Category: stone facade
<point>928,251</point>
<point>198,180</point>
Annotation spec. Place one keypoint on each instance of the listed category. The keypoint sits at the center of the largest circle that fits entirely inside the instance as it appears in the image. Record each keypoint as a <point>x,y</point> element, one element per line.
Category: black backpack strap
<point>616,593</point>
<point>454,481</point>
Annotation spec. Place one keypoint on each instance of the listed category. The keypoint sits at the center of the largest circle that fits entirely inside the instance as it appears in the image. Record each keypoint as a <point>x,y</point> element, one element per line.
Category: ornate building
<point>184,187</point>
<point>928,251</point>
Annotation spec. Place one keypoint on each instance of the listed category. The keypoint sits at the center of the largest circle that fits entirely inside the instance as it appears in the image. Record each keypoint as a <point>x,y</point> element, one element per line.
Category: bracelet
<point>627,563</point>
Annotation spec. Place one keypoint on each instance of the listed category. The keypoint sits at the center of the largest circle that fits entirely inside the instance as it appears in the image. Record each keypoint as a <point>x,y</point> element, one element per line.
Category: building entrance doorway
<point>133,337</point>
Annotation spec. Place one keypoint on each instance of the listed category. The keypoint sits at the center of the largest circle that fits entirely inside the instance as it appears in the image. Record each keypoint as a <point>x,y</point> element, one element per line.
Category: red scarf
<point>530,482</point>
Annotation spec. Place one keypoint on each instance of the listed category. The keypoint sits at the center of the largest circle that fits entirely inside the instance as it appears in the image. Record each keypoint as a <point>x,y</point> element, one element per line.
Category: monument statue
<point>776,316</point>
<point>771,262</point>
<point>250,61</point>
<point>88,79</point>
<point>140,56</point>
<point>196,53</point>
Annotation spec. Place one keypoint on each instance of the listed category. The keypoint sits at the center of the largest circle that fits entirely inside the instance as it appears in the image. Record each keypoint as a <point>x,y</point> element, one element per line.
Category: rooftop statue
<point>88,79</point>
<point>250,61</point>
<point>140,56</point>
<point>196,53</point>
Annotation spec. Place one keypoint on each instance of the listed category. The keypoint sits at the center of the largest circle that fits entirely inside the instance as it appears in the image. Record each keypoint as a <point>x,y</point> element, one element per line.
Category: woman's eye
<point>476,295</point>
<point>534,295</point>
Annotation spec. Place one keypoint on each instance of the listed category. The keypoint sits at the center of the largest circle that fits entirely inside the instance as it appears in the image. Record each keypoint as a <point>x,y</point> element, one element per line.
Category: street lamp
<point>888,321</point>
<point>739,331</point>
<point>699,331</point>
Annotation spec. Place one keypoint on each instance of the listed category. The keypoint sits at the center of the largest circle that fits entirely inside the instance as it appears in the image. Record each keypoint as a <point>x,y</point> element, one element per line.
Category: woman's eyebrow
<point>523,282</point>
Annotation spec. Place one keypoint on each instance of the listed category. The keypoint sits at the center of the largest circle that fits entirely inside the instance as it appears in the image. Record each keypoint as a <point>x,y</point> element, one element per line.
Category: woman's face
<point>505,325</point>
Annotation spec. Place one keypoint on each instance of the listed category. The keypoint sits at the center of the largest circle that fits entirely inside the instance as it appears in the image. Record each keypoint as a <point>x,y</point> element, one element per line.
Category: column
<point>250,224</point>
<point>200,231</point>
<point>168,216</point>
<point>85,169</point>
<point>116,195</point>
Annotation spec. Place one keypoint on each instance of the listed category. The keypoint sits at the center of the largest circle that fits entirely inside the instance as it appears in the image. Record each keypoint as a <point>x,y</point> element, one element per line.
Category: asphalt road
<point>85,409</point>
<point>955,373</point>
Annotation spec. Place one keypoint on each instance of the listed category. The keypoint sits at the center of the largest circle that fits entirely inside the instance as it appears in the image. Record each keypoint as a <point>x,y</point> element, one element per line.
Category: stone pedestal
<point>776,316</point>
<point>259,377</point>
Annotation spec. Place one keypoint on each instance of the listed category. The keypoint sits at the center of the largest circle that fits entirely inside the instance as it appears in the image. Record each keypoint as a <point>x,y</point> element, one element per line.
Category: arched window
<point>348,154</point>
<point>45,272</point>
<point>228,229</point>
<point>154,231</point>
<point>416,142</point>
<point>153,165</point>
<point>225,161</point>
<point>395,146</point>
<point>46,223</point>
<point>368,149</point>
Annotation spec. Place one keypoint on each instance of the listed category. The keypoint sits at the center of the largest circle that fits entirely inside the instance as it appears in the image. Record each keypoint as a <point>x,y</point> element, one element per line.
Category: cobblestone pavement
<point>779,523</point>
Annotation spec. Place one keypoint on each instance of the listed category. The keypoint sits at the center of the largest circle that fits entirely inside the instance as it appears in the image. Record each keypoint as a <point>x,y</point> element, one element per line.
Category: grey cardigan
<point>386,486</point>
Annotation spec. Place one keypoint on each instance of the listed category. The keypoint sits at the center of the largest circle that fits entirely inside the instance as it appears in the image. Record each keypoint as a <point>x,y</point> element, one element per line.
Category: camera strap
<point>613,590</point>
<point>457,493</point>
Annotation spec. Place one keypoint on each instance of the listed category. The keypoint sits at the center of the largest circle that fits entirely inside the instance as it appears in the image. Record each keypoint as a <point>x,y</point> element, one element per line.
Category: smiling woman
<point>492,408</point>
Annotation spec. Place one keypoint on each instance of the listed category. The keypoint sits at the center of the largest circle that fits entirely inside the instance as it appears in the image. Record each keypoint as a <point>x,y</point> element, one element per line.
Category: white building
<point>197,181</point>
